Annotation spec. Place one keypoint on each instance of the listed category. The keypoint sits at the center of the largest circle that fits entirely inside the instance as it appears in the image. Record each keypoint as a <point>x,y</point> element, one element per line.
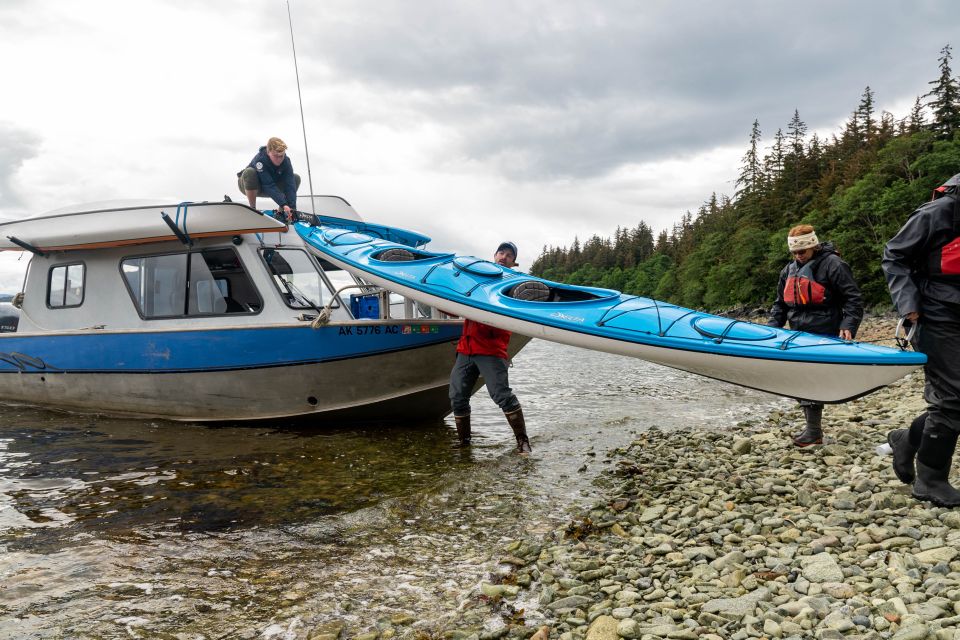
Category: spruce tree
<point>750,179</point>
<point>865,115</point>
<point>916,120</point>
<point>945,98</point>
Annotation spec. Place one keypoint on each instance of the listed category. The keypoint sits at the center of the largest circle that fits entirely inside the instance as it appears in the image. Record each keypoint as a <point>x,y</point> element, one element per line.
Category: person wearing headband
<point>482,351</point>
<point>817,294</point>
<point>922,267</point>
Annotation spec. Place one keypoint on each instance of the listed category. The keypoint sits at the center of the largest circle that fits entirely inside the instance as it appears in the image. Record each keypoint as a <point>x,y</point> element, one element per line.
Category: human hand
<point>913,316</point>
<point>846,334</point>
<point>287,210</point>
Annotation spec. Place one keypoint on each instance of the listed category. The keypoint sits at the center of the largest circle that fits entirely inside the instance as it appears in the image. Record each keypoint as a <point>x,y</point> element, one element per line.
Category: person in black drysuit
<point>922,267</point>
<point>817,294</point>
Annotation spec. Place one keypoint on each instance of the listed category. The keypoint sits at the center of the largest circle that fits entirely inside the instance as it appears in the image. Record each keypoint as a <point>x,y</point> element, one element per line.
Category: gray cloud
<point>548,89</point>
<point>18,146</point>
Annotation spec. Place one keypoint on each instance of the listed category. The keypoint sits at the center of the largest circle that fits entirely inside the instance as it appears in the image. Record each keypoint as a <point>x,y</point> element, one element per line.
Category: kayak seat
<point>531,291</point>
<point>537,291</point>
<point>396,255</point>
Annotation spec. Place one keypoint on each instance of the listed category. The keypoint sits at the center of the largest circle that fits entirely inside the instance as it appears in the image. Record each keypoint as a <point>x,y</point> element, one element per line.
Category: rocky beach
<point>656,504</point>
<point>737,534</point>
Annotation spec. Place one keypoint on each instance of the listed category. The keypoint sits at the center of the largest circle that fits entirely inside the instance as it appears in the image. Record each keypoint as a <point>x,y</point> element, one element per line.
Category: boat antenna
<point>303,125</point>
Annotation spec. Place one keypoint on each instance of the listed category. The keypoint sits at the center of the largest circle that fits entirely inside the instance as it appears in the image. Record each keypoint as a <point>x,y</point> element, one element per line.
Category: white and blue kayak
<point>788,363</point>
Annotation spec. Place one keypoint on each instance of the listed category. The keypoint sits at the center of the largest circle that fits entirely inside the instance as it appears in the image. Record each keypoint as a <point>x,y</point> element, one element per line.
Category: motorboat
<point>211,311</point>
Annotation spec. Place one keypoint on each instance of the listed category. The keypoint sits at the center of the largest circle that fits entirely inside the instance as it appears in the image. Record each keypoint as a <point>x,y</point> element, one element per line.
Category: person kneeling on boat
<point>482,350</point>
<point>922,267</point>
<point>816,294</point>
<point>270,174</point>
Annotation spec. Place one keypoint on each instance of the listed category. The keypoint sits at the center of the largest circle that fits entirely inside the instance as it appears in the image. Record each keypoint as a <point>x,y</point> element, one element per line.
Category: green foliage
<point>856,188</point>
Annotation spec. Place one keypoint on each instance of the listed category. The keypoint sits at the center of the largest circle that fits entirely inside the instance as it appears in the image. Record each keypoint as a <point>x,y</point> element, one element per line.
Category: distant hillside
<point>6,297</point>
<point>856,188</point>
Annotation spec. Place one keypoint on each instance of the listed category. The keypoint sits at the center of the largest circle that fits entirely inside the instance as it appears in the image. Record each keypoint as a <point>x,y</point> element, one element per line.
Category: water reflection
<point>117,475</point>
<point>107,520</point>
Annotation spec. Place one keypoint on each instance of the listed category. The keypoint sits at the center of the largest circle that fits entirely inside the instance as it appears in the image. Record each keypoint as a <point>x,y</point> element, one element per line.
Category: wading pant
<point>465,372</point>
<point>940,341</point>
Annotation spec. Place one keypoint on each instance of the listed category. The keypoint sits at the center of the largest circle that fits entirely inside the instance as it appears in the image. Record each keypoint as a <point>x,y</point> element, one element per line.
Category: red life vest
<point>943,259</point>
<point>480,340</point>
<point>801,289</point>
<point>943,263</point>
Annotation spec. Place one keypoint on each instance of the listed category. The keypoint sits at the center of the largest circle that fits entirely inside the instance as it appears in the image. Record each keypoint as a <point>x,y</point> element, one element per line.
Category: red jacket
<point>480,340</point>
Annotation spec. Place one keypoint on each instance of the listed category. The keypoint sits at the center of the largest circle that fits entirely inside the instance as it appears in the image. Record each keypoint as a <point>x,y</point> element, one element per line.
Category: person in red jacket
<point>482,350</point>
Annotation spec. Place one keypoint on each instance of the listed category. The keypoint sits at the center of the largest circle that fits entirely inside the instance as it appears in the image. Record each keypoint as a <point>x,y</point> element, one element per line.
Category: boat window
<point>198,283</point>
<point>66,285</point>
<point>298,280</point>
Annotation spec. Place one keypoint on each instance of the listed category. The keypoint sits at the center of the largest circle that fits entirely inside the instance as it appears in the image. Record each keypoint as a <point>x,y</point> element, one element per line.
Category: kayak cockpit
<point>540,291</point>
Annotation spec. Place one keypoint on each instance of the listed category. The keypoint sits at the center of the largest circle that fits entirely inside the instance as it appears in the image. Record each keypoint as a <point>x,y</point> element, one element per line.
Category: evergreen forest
<point>857,187</point>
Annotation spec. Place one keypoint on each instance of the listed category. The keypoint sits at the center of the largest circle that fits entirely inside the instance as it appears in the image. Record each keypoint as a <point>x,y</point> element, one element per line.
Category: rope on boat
<point>184,205</point>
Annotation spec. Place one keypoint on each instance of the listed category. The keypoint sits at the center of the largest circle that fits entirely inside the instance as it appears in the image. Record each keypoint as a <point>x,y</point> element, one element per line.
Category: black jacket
<point>906,254</point>
<point>277,183</point>
<point>841,308</point>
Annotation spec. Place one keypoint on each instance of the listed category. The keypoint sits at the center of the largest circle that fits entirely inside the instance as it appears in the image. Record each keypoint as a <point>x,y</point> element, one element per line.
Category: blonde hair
<point>276,145</point>
<point>800,230</point>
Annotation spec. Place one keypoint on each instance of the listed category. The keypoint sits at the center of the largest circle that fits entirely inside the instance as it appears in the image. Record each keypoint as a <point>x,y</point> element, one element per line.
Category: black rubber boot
<point>932,485</point>
<point>905,451</point>
<point>813,432</point>
<point>904,455</point>
<point>515,418</point>
<point>463,429</point>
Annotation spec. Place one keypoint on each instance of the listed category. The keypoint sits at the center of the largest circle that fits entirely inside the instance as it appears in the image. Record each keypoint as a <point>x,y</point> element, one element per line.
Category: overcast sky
<point>469,121</point>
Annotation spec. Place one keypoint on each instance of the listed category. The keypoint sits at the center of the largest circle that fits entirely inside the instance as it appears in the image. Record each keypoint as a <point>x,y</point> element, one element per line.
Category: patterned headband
<point>806,241</point>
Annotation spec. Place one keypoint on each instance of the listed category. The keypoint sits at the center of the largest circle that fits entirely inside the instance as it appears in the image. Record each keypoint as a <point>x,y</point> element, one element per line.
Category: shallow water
<point>123,528</point>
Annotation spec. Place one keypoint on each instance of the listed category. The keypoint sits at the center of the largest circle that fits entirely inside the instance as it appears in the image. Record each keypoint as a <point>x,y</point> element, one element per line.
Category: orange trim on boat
<point>132,241</point>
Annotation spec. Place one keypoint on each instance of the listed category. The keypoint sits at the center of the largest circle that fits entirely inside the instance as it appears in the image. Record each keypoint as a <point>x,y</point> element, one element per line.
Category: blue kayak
<point>788,363</point>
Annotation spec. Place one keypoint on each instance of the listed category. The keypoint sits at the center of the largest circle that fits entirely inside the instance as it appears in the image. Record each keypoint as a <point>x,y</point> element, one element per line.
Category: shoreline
<point>738,534</point>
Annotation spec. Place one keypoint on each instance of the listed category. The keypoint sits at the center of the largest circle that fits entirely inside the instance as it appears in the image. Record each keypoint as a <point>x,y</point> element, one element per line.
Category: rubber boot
<point>934,458</point>
<point>812,433</point>
<point>515,418</point>
<point>463,429</point>
<point>904,455</point>
<point>904,451</point>
<point>932,485</point>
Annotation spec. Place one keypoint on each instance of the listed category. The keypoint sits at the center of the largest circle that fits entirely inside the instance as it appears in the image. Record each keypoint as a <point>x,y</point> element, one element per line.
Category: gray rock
<point>742,445</point>
<point>742,606</point>
<point>652,513</point>
<point>734,557</point>
<point>603,628</point>
<point>912,632</point>
<point>570,602</point>
<point>628,628</point>
<point>821,568</point>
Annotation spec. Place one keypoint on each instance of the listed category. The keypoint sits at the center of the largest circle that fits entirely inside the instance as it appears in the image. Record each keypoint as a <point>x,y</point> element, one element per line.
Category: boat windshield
<point>299,281</point>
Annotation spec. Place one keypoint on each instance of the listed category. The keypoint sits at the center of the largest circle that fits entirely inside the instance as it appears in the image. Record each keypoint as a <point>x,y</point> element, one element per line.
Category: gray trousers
<point>464,376</point>
<point>940,341</point>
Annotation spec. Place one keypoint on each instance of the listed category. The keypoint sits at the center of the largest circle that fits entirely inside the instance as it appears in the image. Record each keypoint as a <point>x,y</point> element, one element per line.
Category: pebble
<point>737,534</point>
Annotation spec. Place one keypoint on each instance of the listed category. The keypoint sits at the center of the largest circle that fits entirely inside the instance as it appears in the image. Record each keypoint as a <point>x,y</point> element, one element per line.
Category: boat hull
<point>379,371</point>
